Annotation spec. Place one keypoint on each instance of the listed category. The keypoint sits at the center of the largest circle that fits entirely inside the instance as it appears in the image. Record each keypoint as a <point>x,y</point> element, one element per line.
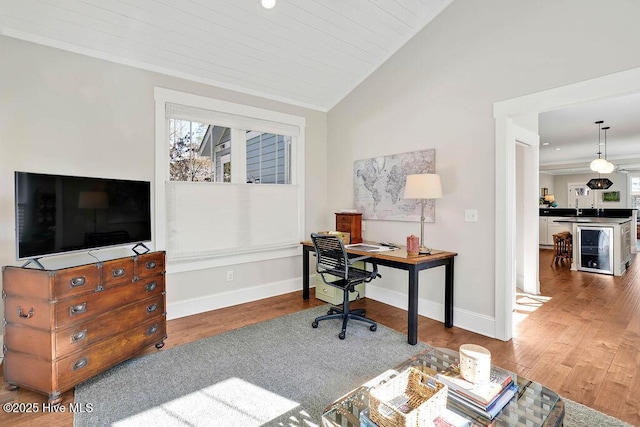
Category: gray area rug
<point>279,372</point>
<point>577,415</point>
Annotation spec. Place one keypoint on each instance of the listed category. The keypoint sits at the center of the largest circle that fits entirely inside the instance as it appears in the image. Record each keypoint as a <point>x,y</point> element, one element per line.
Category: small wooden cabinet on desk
<point>65,326</point>
<point>350,223</point>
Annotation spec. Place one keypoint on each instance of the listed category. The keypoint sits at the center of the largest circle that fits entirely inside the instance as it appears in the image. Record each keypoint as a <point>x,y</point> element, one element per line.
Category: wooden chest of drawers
<point>64,326</point>
<point>350,223</point>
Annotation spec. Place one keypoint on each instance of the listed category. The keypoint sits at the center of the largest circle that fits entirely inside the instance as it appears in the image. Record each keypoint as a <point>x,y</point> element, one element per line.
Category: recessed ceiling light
<point>557,148</point>
<point>268,4</point>
<point>545,143</point>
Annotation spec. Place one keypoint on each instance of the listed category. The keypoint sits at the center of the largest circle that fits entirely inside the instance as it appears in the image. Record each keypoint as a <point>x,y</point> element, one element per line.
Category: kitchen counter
<point>590,213</point>
<point>591,220</point>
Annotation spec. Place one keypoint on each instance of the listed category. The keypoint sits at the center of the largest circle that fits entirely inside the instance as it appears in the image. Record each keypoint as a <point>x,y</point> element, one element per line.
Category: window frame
<point>163,96</point>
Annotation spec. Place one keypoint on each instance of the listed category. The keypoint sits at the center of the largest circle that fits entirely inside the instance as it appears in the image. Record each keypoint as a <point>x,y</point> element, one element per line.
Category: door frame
<point>527,190</point>
<point>525,108</point>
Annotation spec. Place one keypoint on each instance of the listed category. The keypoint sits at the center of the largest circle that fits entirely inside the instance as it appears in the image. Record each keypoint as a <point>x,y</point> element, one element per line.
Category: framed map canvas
<point>378,186</point>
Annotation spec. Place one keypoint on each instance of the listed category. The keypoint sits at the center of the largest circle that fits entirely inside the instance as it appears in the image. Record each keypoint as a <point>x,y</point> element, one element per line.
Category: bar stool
<point>562,247</point>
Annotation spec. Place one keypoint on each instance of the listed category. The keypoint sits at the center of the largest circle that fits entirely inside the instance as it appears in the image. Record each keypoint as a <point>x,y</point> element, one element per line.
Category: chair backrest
<point>331,255</point>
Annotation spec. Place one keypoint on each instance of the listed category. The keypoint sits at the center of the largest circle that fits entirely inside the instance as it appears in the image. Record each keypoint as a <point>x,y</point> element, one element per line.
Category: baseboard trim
<point>193,306</point>
<point>468,320</point>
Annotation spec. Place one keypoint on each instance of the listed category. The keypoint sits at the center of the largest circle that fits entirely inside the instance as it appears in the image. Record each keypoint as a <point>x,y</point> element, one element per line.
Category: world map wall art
<point>378,186</point>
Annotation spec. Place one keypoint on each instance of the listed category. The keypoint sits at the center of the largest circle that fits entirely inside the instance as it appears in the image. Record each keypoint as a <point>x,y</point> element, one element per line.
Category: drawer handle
<point>150,286</point>
<point>150,265</point>
<point>78,281</point>
<point>79,336</point>
<point>152,330</point>
<point>79,364</point>
<point>23,315</point>
<point>78,309</point>
<point>118,272</point>
<point>152,308</point>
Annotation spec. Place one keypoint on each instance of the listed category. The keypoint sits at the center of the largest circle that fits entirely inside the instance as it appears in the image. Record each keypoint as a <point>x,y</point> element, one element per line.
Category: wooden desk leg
<point>412,334</point>
<point>305,273</point>
<point>448,294</point>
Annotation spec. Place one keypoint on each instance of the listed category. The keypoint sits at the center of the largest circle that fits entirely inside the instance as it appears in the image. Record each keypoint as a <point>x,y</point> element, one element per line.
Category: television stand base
<point>138,251</point>
<point>35,261</point>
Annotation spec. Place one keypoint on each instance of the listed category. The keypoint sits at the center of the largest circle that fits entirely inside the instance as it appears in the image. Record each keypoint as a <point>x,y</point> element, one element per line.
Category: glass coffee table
<point>534,405</point>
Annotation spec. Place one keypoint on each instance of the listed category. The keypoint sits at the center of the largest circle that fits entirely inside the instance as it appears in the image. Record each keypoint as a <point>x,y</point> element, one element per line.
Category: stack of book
<point>486,399</point>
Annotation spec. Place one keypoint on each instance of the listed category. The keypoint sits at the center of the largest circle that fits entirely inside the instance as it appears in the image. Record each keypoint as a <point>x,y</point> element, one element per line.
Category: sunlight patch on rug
<point>232,402</point>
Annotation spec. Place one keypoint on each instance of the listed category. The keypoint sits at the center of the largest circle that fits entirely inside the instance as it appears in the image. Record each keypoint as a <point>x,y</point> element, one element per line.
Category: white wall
<point>438,92</point>
<point>560,184</point>
<point>65,113</point>
<point>547,181</point>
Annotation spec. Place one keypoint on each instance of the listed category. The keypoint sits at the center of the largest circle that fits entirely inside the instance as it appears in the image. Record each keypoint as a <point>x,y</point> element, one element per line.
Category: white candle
<point>475,363</point>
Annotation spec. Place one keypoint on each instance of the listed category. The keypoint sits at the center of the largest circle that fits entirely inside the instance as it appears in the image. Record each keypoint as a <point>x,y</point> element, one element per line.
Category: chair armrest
<point>356,259</point>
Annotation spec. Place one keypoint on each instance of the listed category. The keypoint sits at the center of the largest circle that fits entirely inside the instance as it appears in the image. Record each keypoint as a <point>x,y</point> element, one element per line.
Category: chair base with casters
<point>336,269</point>
<point>339,313</point>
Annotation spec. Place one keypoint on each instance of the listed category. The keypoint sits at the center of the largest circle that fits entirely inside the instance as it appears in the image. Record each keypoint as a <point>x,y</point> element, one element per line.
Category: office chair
<point>332,260</point>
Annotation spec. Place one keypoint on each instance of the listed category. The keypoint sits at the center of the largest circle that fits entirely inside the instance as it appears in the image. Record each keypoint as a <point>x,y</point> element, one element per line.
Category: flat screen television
<point>58,213</point>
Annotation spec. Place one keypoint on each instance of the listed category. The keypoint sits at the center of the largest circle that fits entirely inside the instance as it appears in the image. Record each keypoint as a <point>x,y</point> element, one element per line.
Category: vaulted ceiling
<point>310,53</point>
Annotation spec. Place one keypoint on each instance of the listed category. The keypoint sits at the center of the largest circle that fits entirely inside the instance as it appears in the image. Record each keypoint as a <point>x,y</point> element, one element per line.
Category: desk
<point>413,264</point>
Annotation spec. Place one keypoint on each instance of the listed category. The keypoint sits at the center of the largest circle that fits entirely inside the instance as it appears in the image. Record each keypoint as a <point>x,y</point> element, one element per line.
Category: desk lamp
<point>423,187</point>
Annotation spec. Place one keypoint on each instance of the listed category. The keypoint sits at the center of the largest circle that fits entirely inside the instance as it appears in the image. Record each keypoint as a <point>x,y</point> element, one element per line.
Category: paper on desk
<point>367,247</point>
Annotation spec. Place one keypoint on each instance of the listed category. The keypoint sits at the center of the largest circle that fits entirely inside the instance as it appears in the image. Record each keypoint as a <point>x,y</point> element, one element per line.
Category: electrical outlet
<point>229,275</point>
<point>471,215</point>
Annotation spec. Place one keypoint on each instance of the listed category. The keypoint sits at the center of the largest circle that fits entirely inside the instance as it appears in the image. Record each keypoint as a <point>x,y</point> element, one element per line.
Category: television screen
<point>57,213</point>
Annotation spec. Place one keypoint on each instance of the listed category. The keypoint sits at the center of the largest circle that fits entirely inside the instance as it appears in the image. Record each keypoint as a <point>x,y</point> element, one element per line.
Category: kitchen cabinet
<point>548,227</point>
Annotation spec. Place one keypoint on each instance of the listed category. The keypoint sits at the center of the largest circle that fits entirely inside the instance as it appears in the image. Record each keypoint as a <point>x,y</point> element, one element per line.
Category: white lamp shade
<point>423,186</point>
<point>598,164</point>
<point>607,168</point>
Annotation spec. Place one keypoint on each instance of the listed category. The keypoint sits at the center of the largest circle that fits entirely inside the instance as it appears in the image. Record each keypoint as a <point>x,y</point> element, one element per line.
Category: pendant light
<point>605,166</point>
<point>599,183</point>
<point>268,4</point>
<point>598,164</point>
<point>608,167</point>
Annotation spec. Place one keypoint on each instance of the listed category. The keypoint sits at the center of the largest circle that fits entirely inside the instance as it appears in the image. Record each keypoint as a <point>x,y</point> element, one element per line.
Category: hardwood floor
<point>580,337</point>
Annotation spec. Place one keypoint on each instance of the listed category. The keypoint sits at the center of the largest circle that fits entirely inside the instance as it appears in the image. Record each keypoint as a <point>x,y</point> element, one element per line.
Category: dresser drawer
<point>74,281</point>
<point>79,309</point>
<point>95,359</point>
<point>46,284</point>
<point>148,265</point>
<point>333,295</point>
<point>44,376</point>
<point>113,323</point>
<point>341,219</point>
<point>344,227</point>
<point>117,272</point>
<point>326,292</point>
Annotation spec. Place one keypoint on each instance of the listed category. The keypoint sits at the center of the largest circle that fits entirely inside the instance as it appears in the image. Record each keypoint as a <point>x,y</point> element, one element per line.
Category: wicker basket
<point>412,398</point>
<point>346,237</point>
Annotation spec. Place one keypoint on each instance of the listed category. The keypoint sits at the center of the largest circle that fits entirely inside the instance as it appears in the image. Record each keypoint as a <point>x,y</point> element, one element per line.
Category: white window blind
<point>219,118</point>
<point>205,223</point>
<point>208,219</point>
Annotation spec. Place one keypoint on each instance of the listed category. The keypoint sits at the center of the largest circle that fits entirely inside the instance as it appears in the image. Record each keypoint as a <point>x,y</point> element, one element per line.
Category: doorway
<point>525,110</point>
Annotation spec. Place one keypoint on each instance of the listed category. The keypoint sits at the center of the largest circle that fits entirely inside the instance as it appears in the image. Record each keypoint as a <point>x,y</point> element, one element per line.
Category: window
<point>635,185</point>
<point>268,158</point>
<point>199,152</point>
<point>209,155</point>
